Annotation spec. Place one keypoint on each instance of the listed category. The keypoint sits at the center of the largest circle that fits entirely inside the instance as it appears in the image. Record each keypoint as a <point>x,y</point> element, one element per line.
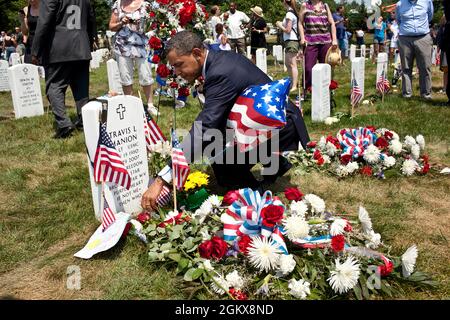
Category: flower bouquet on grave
<point>368,151</point>
<point>253,246</point>
<point>194,191</point>
<point>158,156</point>
<point>333,86</point>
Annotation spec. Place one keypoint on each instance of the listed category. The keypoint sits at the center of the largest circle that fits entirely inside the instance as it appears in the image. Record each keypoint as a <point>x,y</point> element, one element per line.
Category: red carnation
<point>381,143</point>
<point>230,197</point>
<point>163,71</point>
<point>173,32</point>
<point>152,14</point>
<point>317,155</point>
<point>174,85</point>
<point>143,217</point>
<point>425,158</point>
<point>244,243</point>
<point>371,128</point>
<point>153,26</point>
<point>334,141</point>
<point>337,243</point>
<point>293,194</point>
<point>348,227</point>
<point>346,158</point>
<point>126,230</point>
<point>155,43</point>
<point>367,171</point>
<point>311,144</point>
<point>426,168</point>
<point>205,249</point>
<point>388,135</point>
<point>386,268</point>
<point>183,92</point>
<point>238,294</point>
<point>156,59</point>
<point>219,247</point>
<point>271,215</point>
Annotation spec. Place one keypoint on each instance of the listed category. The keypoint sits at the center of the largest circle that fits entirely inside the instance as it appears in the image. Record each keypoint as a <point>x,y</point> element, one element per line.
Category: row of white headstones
<point>23,80</point>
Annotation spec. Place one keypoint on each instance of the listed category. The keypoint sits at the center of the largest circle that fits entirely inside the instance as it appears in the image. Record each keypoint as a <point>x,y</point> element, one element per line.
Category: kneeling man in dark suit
<point>226,75</point>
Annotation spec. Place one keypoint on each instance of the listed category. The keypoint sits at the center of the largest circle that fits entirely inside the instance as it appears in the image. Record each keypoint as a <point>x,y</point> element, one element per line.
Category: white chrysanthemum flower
<point>214,201</point>
<point>299,288</point>
<point>207,265</point>
<point>234,280</point>
<point>409,166</point>
<point>372,154</point>
<point>219,285</point>
<point>415,151</point>
<point>366,222</point>
<point>316,203</point>
<point>337,227</point>
<point>330,120</point>
<point>264,254</point>
<point>395,146</point>
<point>410,141</point>
<point>331,149</point>
<point>345,276</point>
<point>409,260</point>
<point>296,227</point>
<point>421,141</point>
<point>342,171</point>
<point>326,159</point>
<point>322,142</point>
<point>374,240</point>
<point>352,166</point>
<point>389,161</point>
<point>299,208</point>
<point>286,265</point>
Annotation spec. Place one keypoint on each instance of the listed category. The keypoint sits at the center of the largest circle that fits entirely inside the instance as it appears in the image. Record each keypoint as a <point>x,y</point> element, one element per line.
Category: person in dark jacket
<point>446,40</point>
<point>227,75</point>
<point>62,43</point>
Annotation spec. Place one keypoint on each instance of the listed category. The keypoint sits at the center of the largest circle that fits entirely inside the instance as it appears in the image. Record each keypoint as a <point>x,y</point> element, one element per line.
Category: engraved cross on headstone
<point>120,110</point>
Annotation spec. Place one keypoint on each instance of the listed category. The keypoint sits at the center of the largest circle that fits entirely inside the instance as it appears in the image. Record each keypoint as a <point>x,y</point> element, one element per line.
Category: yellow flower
<point>196,179</point>
<point>189,185</point>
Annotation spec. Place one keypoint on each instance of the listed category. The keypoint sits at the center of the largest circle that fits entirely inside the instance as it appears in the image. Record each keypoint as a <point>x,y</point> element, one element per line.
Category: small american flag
<point>108,164</point>
<point>356,94</point>
<point>108,216</point>
<point>152,132</point>
<point>383,84</point>
<point>164,197</point>
<point>179,164</point>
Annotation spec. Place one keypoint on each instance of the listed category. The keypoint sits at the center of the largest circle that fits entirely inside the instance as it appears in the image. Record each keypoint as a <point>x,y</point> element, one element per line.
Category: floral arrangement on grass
<point>252,246</point>
<point>195,190</point>
<point>158,156</point>
<point>368,151</point>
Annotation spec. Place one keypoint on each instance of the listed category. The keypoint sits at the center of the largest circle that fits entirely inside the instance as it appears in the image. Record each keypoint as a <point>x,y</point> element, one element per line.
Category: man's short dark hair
<point>339,8</point>
<point>183,43</point>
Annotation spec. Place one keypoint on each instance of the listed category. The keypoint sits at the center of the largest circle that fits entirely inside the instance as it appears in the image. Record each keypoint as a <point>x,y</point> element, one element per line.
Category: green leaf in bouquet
<point>153,256</point>
<point>194,248</point>
<point>188,276</point>
<point>150,227</point>
<point>386,288</point>
<point>357,291</point>
<point>161,230</point>
<point>166,246</point>
<point>365,290</point>
<point>182,264</point>
<point>174,256</point>
<point>174,235</point>
<point>197,273</point>
<point>188,243</point>
<point>151,233</point>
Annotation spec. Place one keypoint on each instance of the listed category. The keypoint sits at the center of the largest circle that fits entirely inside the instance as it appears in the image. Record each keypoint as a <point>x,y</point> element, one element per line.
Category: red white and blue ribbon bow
<point>355,141</point>
<point>243,217</point>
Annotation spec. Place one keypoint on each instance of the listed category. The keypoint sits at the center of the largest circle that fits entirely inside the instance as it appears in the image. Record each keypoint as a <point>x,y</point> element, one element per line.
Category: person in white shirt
<point>393,26</point>
<point>222,39</point>
<point>215,19</point>
<point>236,23</point>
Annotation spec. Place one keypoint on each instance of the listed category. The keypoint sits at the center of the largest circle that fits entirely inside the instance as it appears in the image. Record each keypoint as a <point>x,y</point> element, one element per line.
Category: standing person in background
<point>222,39</point>
<point>258,27</point>
<point>235,23</point>
<point>291,39</point>
<point>443,58</point>
<point>359,37</point>
<point>215,19</point>
<point>128,20</point>
<point>28,17</point>
<point>446,41</point>
<point>63,42</point>
<point>379,36</point>
<point>415,42</point>
<point>393,27</point>
<point>9,45</point>
<point>18,36</point>
<point>341,34</point>
<point>318,33</point>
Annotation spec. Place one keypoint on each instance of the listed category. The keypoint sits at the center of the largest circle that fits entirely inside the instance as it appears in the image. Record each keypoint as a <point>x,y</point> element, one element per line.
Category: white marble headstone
<point>382,64</point>
<point>434,55</point>
<point>114,76</point>
<point>4,83</point>
<point>25,90</point>
<point>372,51</point>
<point>352,52</point>
<point>321,78</point>
<point>14,59</point>
<point>249,52</point>
<point>358,71</point>
<point>363,50</point>
<point>261,59</point>
<point>125,126</point>
<point>277,51</point>
<point>95,61</point>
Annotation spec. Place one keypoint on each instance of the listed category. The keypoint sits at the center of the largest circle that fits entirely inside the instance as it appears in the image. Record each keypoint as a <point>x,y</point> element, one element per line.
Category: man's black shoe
<point>79,124</point>
<point>63,133</point>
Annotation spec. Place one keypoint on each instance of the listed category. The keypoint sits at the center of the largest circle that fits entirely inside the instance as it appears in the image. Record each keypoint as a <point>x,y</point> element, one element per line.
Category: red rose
<point>126,230</point>
<point>205,249</point>
<point>426,168</point>
<point>333,85</point>
<point>371,128</point>
<point>293,194</point>
<point>317,155</point>
<point>154,25</point>
<point>174,85</point>
<point>337,243</point>
<point>367,171</point>
<point>156,59</point>
<point>155,43</point>
<point>238,294</point>
<point>173,32</point>
<point>230,197</point>
<point>348,227</point>
<point>163,71</point>
<point>219,247</point>
<point>183,91</point>
<point>320,161</point>
<point>381,143</point>
<point>143,217</point>
<point>386,268</point>
<point>271,215</point>
<point>311,144</point>
<point>244,243</point>
<point>388,135</point>
<point>346,158</point>
<point>152,14</point>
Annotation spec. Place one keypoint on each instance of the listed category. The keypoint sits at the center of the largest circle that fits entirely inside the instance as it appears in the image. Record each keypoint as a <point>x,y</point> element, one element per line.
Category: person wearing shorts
<point>379,36</point>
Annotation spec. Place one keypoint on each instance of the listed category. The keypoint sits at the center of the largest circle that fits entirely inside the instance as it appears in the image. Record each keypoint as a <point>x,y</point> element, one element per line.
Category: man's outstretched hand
<point>149,197</point>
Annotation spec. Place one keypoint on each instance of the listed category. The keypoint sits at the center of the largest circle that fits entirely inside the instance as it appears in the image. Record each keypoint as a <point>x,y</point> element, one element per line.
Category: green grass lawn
<point>46,211</point>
